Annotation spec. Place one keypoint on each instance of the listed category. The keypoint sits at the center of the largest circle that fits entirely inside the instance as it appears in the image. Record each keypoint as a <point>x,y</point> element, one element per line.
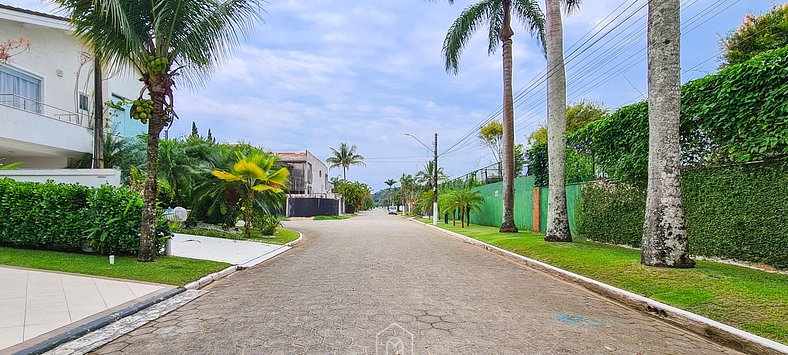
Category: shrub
<point>734,212</point>
<point>71,217</point>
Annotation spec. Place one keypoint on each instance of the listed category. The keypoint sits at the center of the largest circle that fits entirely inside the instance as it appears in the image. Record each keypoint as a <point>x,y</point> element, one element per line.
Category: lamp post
<point>434,177</point>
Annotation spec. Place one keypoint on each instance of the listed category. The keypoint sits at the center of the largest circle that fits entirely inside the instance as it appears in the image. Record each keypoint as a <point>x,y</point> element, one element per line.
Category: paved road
<point>350,280</point>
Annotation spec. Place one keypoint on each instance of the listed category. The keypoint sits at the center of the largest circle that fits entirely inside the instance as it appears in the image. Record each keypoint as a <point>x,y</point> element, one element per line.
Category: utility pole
<point>435,186</point>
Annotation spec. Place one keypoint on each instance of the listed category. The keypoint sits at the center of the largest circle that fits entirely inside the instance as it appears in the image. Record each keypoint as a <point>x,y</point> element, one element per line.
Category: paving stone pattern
<point>376,282</point>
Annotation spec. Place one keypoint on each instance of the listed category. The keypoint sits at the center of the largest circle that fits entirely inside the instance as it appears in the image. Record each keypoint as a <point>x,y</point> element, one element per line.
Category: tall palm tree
<point>257,174</point>
<point>345,157</point>
<point>390,182</point>
<point>407,186</point>
<point>162,40</point>
<point>664,233</point>
<point>426,175</point>
<point>557,215</point>
<point>497,15</point>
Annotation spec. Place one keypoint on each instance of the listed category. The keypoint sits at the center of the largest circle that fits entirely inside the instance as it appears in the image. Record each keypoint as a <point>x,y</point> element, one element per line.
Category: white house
<point>46,93</point>
<point>310,191</point>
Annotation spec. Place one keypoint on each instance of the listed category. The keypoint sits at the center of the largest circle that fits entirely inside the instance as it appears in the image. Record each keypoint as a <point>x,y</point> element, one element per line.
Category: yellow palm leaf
<point>262,188</point>
<point>279,177</point>
<point>226,176</point>
<point>248,169</point>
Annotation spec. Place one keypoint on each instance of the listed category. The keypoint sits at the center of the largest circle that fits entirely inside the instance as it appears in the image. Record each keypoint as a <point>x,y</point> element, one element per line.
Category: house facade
<point>46,93</point>
<point>310,190</point>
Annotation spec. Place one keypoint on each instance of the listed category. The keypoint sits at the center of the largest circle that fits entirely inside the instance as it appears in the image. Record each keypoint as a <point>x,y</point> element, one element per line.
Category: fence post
<point>537,204</point>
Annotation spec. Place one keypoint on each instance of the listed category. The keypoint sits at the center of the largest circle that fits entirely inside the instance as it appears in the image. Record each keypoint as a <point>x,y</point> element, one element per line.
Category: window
<point>84,102</point>
<point>19,90</point>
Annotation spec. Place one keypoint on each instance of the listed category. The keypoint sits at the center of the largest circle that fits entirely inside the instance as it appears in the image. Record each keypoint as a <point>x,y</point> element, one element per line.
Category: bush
<point>71,217</point>
<point>733,212</point>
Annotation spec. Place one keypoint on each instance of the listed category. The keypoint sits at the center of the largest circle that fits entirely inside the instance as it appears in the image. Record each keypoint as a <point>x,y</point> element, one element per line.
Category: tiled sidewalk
<point>35,302</point>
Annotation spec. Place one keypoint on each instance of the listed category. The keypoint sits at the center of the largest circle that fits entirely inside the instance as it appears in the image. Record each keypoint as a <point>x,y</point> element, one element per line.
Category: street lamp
<point>434,178</point>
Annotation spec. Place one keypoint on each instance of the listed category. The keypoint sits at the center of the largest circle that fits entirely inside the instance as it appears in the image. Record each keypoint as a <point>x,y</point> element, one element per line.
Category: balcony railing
<point>42,109</point>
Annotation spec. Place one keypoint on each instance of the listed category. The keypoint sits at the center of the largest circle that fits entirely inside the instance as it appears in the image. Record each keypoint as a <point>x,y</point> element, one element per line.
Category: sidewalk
<point>35,302</point>
<point>237,252</point>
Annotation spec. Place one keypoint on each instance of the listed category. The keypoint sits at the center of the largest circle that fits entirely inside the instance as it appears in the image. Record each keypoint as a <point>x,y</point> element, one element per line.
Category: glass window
<point>19,90</point>
<point>83,102</point>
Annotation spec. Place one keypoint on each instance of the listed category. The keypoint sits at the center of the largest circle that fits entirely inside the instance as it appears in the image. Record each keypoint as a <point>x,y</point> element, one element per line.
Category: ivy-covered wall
<point>70,217</point>
<point>735,212</point>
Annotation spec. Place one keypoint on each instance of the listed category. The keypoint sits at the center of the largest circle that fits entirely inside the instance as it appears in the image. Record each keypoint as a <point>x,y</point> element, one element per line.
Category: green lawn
<point>282,236</point>
<point>169,270</point>
<point>328,218</point>
<point>748,299</point>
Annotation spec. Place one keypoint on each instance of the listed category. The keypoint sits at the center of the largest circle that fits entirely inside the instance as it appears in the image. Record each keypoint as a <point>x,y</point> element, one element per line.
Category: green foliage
<point>266,224</point>
<point>737,115</point>
<point>345,157</point>
<point>11,166</point>
<point>578,116</point>
<point>329,218</point>
<point>72,218</point>
<point>756,35</point>
<point>579,167</point>
<point>734,212</point>
<point>357,195</point>
<point>461,202</point>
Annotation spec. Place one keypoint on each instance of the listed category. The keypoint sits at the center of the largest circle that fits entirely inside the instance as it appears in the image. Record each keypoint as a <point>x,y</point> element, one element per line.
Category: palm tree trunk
<point>344,173</point>
<point>98,115</point>
<point>248,214</point>
<point>557,216</point>
<point>664,234</point>
<point>507,225</point>
<point>149,215</point>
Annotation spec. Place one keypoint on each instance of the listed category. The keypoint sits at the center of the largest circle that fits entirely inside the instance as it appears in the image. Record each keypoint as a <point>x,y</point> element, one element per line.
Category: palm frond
<point>461,30</point>
<point>226,176</point>
<point>532,18</point>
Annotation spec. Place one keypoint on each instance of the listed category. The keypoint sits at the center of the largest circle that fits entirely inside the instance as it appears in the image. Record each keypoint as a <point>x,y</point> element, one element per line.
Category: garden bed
<point>282,235</point>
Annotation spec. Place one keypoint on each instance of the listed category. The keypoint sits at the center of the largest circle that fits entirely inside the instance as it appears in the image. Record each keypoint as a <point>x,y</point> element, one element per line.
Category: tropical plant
<point>426,175</point>
<point>256,174</point>
<point>497,15</point>
<point>578,115</point>
<point>408,188</point>
<point>162,40</point>
<point>756,35</point>
<point>664,232</point>
<point>345,157</point>
<point>462,202</point>
<point>356,195</point>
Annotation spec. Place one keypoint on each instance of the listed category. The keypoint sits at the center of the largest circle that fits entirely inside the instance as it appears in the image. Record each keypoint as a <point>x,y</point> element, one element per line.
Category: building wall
<point>65,69</point>
<point>320,183</point>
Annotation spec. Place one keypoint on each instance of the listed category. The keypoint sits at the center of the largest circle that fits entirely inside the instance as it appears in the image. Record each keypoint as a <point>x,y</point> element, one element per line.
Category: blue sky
<point>319,72</point>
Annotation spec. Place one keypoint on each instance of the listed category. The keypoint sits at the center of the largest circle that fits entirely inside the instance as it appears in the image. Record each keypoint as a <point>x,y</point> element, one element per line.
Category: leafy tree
<point>408,188</point>
<point>256,174</point>
<point>664,233</point>
<point>356,195</point>
<point>491,136</point>
<point>497,15</point>
<point>426,175</point>
<point>756,35</point>
<point>162,40</point>
<point>578,116</point>
<point>345,157</point>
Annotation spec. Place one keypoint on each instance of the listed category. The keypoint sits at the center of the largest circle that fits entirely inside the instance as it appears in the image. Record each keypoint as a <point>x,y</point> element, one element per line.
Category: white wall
<point>319,174</point>
<point>29,127</point>
<point>86,177</point>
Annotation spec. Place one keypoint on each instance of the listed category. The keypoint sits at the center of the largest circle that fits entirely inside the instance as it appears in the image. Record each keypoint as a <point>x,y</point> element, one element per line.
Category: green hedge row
<point>71,217</point>
<point>734,212</point>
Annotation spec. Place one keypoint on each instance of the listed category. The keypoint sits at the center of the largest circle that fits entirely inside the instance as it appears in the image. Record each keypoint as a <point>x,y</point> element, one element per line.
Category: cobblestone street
<point>354,286</point>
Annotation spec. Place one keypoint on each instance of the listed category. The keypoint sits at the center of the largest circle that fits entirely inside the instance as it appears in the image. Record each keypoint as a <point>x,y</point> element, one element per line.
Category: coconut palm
<point>161,40</point>
<point>664,233</point>
<point>497,14</point>
<point>344,158</point>
<point>426,175</point>
<point>390,182</point>
<point>257,174</point>
<point>557,215</point>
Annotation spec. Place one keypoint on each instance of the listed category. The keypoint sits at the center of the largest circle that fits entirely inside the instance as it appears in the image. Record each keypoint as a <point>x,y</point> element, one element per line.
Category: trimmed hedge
<point>71,217</point>
<point>734,212</point>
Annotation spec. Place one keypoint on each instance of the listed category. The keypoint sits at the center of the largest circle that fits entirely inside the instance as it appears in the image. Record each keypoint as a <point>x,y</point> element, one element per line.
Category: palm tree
<point>390,183</point>
<point>407,187</point>
<point>257,174</point>
<point>497,14</point>
<point>557,215</point>
<point>426,175</point>
<point>161,40</point>
<point>664,233</point>
<point>345,157</point>
<point>463,201</point>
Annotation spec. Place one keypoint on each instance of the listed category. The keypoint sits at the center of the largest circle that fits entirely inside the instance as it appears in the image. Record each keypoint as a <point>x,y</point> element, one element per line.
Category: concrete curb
<point>300,237</point>
<point>54,341</point>
<point>207,279</point>
<point>726,335</point>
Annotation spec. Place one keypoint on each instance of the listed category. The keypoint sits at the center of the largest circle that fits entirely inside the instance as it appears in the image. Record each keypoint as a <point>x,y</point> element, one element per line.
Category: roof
<point>292,157</point>
<point>33,17</point>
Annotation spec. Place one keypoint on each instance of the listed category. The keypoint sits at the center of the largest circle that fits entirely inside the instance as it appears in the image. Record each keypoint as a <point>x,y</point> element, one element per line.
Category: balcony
<point>42,129</point>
